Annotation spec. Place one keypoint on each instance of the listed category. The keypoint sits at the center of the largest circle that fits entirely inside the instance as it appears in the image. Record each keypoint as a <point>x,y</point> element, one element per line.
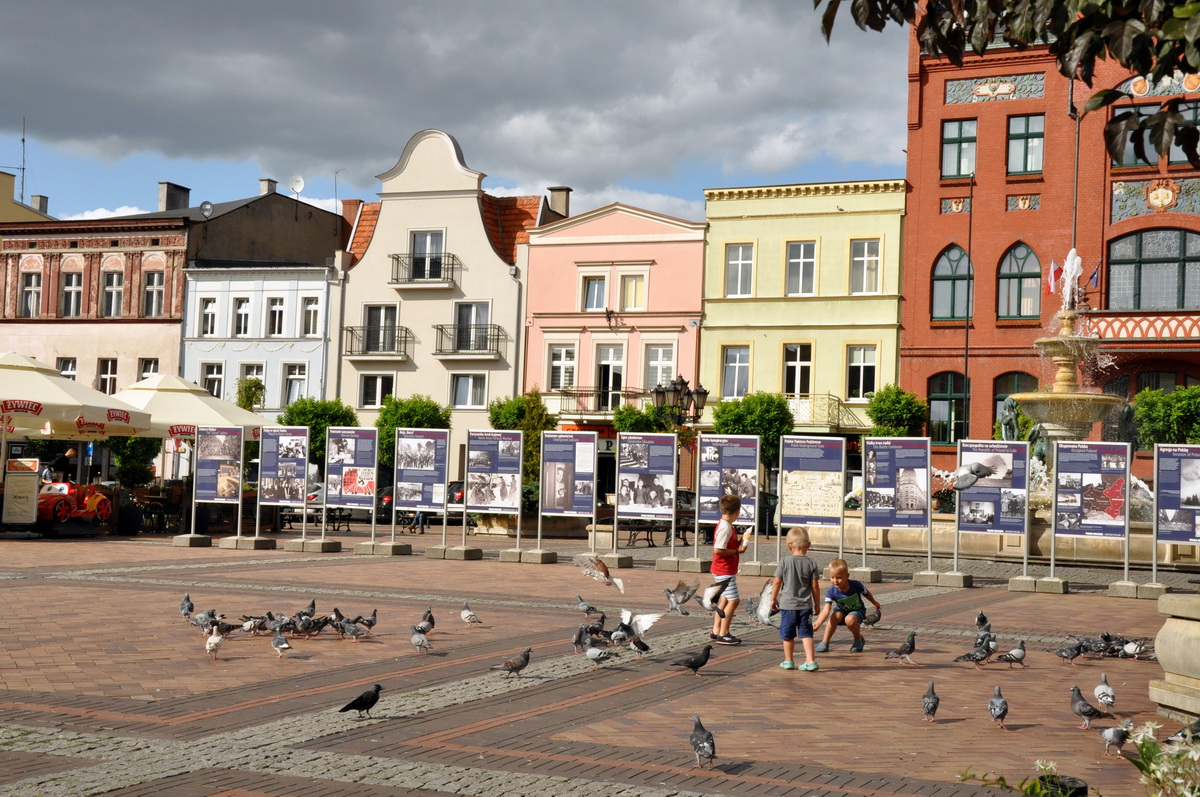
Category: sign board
<point>493,481</point>
<point>1091,490</point>
<point>350,467</point>
<point>1177,494</point>
<point>21,483</point>
<point>896,482</point>
<point>283,465</point>
<point>568,473</point>
<point>219,464</point>
<point>998,502</point>
<point>812,482</point>
<point>728,466</point>
<point>646,475</point>
<point>421,467</point>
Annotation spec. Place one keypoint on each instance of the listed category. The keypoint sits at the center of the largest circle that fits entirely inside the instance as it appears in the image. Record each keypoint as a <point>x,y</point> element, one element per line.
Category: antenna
<point>297,185</point>
<point>21,168</point>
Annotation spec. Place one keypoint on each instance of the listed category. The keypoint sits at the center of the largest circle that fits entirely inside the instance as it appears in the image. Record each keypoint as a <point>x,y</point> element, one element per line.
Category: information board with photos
<point>998,500</point>
<point>728,466</point>
<point>493,482</point>
<point>351,455</point>
<point>219,464</point>
<point>1091,489</point>
<point>1177,494</point>
<point>283,465</point>
<point>896,482</point>
<point>421,467</point>
<point>568,473</point>
<point>646,470</point>
<point>812,482</point>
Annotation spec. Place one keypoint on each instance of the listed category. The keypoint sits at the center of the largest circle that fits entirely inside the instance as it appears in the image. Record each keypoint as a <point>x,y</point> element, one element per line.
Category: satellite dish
<point>297,184</point>
<point>206,209</point>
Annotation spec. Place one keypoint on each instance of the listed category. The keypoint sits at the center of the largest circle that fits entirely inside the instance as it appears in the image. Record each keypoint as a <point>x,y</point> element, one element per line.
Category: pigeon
<point>596,627</point>
<point>873,617</point>
<point>213,643</point>
<point>764,613</point>
<point>712,593</point>
<point>979,655</point>
<point>1070,652</point>
<point>966,476</point>
<point>635,625</point>
<point>703,744</point>
<point>185,606</point>
<point>364,702</point>
<point>577,640</point>
<point>585,607</point>
<point>694,661</point>
<point>929,702</point>
<point>595,655</point>
<point>310,609</point>
<point>1117,735</point>
<point>680,594</point>
<point>419,640</point>
<point>279,644</point>
<point>905,650</point>
<point>984,633</point>
<point>427,620</point>
<point>594,567</point>
<point>1134,648</point>
<point>639,647</point>
<point>1105,695</point>
<point>1185,735</point>
<point>1014,656</point>
<point>515,664</point>
<point>469,617</point>
<point>998,707</point>
<point>980,620</point>
<point>1085,710</point>
<point>353,630</point>
<point>369,621</point>
<point>253,625</point>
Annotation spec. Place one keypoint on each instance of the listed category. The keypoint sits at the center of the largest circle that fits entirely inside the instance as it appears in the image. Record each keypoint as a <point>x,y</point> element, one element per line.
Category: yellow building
<point>802,297</point>
<point>12,210</point>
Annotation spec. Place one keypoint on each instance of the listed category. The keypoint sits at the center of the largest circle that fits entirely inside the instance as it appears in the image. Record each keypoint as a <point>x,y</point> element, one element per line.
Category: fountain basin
<point>1078,411</point>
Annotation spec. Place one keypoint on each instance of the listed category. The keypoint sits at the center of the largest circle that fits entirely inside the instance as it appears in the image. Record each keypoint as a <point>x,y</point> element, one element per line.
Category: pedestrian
<point>844,605</point>
<point>726,552</point>
<point>795,593</point>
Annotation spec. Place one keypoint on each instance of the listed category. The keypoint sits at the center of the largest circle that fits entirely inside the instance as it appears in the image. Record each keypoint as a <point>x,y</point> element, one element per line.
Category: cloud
<point>104,213</point>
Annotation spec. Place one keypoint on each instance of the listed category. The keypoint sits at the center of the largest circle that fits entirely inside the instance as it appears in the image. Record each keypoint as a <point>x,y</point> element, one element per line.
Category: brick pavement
<point>106,690</point>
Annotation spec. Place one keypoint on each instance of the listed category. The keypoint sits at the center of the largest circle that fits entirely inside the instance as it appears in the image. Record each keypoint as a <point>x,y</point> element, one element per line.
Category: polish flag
<point>1055,275</point>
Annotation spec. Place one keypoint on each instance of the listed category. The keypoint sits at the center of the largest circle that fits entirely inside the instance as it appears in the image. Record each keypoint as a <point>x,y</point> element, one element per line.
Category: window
<point>471,326</point>
<point>562,367</point>
<point>1154,270</point>
<point>380,334</point>
<point>468,391</point>
<point>633,292</point>
<point>947,407</point>
<point>212,376</point>
<point>252,371</point>
<point>1008,384</point>
<point>610,376</point>
<point>152,294</point>
<point>147,367</point>
<point>958,148</point>
<point>864,266</point>
<point>801,268</point>
<point>860,371</point>
<point>1020,293</point>
<point>31,295</point>
<point>275,317</point>
<point>594,297</point>
<point>208,318</point>
<point>952,275</point>
<point>427,255</point>
<point>735,371</point>
<point>1026,136</point>
<point>797,368</point>
<point>106,376</point>
<point>1190,111</point>
<point>67,367</point>
<point>312,317</point>
<point>1166,381</point>
<point>72,294</point>
<point>1129,158</point>
<point>241,317</point>
<point>660,365</point>
<point>739,269</point>
<point>374,388</point>
<point>295,380</point>
<point>114,288</point>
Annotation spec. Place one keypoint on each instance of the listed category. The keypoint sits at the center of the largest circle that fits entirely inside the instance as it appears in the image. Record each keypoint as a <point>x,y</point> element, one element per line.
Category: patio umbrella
<point>177,406</point>
<point>34,397</point>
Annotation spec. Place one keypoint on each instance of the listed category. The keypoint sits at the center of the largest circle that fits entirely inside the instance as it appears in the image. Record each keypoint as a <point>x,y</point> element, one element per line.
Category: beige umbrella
<point>177,406</point>
<point>34,397</point>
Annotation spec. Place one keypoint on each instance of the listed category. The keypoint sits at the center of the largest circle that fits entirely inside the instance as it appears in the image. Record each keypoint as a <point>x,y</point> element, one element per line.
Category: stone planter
<point>1178,646</point>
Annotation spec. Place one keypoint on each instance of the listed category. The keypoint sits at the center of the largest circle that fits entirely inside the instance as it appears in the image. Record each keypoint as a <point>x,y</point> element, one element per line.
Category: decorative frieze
<point>1024,202</point>
<point>960,204</point>
<point>1133,198</point>
<point>1146,327</point>
<point>1177,83</point>
<point>991,89</point>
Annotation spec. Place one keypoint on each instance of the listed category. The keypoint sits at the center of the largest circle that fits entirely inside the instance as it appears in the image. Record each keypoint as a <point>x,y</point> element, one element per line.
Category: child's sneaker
<point>822,647</point>
<point>713,637</point>
<point>728,639</point>
<point>787,665</point>
<point>809,666</point>
<point>857,647</point>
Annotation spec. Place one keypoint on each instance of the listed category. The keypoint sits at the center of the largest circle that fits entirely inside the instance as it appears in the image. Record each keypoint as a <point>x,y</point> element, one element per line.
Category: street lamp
<point>678,400</point>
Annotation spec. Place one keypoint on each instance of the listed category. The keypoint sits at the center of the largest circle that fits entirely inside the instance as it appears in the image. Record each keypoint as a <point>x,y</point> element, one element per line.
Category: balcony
<point>378,343</point>
<point>424,271</point>
<point>470,341</point>
<point>590,401</point>
<point>826,412</point>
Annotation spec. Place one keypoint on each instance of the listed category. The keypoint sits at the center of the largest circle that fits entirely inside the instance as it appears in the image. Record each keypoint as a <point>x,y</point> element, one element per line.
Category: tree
<point>651,420</point>
<point>133,456</point>
<point>1167,417</point>
<point>414,412</point>
<point>529,414</point>
<point>318,415</point>
<point>251,392</point>
<point>1152,38</point>
<point>896,413</point>
<point>764,414</point>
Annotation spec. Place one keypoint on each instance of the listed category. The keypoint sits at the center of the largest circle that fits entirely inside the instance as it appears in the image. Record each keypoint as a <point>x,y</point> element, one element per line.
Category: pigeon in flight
<point>594,567</point>
<point>711,595</point>
<point>1116,736</point>
<point>515,664</point>
<point>469,617</point>
<point>1014,656</point>
<point>930,702</point>
<point>639,647</point>
<point>635,626</point>
<point>585,607</point>
<point>279,644</point>
<point>1105,695</point>
<point>419,640</point>
<point>980,620</point>
<point>213,643</point>
<point>764,614</point>
<point>998,707</point>
<point>364,702</point>
<point>1085,710</point>
<point>979,655</point>
<point>905,650</point>
<point>1185,735</point>
<point>694,661</point>
<point>966,476</point>
<point>679,595</point>
<point>703,744</point>
<point>1070,652</point>
<point>186,607</point>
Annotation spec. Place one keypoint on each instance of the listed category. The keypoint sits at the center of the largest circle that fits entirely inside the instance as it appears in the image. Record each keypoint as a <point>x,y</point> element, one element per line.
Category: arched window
<point>1154,270</point>
<point>947,407</point>
<point>1006,385</point>
<point>952,276</point>
<point>1020,284</point>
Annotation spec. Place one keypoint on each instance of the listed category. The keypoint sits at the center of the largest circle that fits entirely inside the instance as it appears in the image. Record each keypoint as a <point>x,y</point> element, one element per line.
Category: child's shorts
<point>731,588</point>
<point>795,623</point>
<point>856,613</point>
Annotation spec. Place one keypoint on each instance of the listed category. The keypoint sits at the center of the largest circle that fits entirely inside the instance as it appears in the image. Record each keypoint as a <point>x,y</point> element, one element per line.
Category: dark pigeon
<point>694,661</point>
<point>186,607</point>
<point>979,655</point>
<point>998,707</point>
<point>515,664</point>
<point>905,650</point>
<point>1085,710</point>
<point>930,702</point>
<point>703,744</point>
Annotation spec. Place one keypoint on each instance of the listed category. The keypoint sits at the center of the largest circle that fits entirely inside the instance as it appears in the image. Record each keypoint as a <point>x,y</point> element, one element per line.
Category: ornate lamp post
<point>679,402</point>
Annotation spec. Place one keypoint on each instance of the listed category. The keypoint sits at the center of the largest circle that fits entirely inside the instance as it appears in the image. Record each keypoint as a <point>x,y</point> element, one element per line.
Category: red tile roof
<point>364,229</point>
<point>508,220</point>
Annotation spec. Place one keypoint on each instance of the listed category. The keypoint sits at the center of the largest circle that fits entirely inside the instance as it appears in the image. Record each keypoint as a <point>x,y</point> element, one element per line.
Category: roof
<point>364,229</point>
<point>194,213</point>
<point>508,220</point>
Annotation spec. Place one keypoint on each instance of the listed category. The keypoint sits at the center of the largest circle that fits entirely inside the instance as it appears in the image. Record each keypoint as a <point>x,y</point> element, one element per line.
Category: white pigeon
<point>1105,695</point>
<point>966,476</point>
<point>279,644</point>
<point>640,623</point>
<point>1116,736</point>
<point>764,613</point>
<point>213,643</point>
<point>419,640</point>
<point>594,567</point>
<point>595,655</point>
<point>711,595</point>
<point>469,617</point>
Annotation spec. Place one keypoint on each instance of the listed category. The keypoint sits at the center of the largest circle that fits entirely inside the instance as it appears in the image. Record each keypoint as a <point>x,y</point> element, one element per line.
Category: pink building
<point>613,310</point>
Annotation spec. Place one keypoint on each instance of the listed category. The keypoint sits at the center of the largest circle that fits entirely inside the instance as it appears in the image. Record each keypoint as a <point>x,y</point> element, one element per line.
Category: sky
<point>646,103</point>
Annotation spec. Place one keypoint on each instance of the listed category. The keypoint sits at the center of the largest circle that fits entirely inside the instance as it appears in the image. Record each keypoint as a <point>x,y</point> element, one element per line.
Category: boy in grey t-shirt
<point>795,592</point>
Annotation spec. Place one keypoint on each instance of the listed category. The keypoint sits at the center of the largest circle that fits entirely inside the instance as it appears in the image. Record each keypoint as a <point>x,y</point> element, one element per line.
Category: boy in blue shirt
<point>844,605</point>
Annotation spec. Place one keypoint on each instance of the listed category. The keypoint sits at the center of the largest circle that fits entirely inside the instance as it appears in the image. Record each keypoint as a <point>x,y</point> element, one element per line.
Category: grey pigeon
<point>873,617</point>
<point>966,476</point>
<point>353,630</point>
<point>186,607</point>
<point>585,607</point>
<point>929,702</point>
<point>1117,736</point>
<point>279,644</point>
<point>1085,710</point>
<point>364,702</point>
<point>905,650</point>
<point>764,614</point>
<point>578,640</point>
<point>419,640</point>
<point>1105,695</point>
<point>595,655</point>
<point>310,609</point>
<point>980,620</point>
<point>694,661</point>
<point>679,595</point>
<point>703,744</point>
<point>1070,652</point>
<point>711,595</point>
<point>984,633</point>
<point>998,707</point>
<point>1014,656</point>
<point>369,621</point>
<point>515,664</point>
<point>594,567</point>
<point>979,655</point>
<point>469,617</point>
<point>1185,735</point>
<point>427,623</point>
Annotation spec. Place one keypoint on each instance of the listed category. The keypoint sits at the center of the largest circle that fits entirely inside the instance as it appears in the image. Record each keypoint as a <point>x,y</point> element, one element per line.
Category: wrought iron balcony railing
<point>416,269</point>
<point>577,400</point>
<point>384,341</point>
<point>824,409</point>
<point>484,340</point>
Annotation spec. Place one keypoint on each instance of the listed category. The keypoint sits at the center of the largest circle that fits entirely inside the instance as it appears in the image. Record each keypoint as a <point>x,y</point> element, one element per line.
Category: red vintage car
<point>61,501</point>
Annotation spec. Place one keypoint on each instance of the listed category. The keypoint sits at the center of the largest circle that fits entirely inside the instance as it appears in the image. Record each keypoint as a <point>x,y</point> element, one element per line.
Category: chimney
<point>266,186</point>
<point>560,200</point>
<point>39,202</point>
<point>173,197</point>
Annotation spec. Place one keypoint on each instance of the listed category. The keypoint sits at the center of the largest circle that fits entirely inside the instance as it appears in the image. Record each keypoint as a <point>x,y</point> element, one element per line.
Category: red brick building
<point>991,172</point>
